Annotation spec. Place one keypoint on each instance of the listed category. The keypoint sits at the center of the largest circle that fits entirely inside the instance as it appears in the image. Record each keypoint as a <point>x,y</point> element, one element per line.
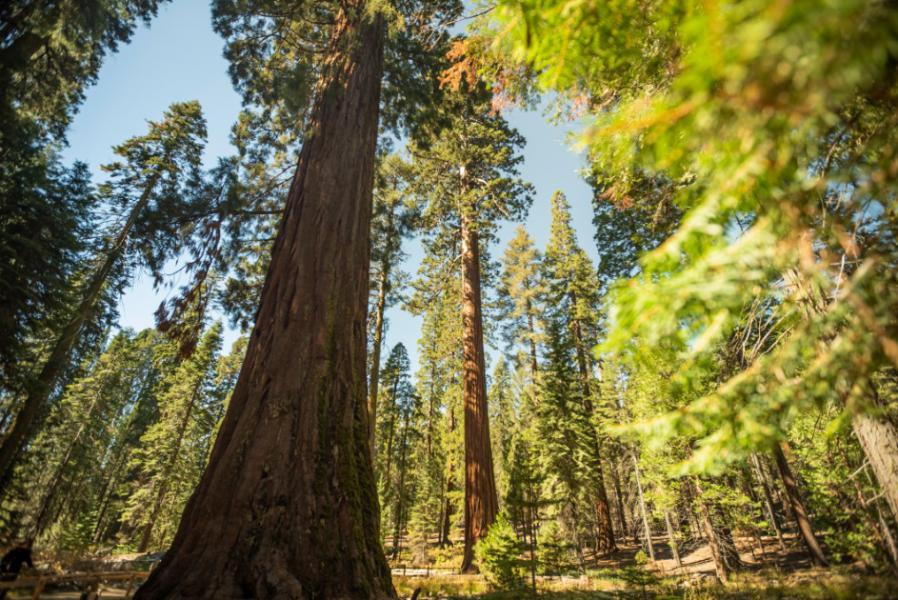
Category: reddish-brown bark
<point>287,506</point>
<point>481,501</point>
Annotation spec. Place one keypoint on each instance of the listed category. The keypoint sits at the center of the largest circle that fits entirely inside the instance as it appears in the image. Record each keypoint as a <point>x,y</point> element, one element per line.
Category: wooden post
<point>645,518</point>
<point>38,588</point>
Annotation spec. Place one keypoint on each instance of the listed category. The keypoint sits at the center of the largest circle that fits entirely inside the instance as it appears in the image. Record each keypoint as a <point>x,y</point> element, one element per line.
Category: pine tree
<point>440,452</point>
<point>572,295</point>
<point>522,286</point>
<point>66,468</point>
<point>173,450</point>
<point>390,224</point>
<point>151,185</point>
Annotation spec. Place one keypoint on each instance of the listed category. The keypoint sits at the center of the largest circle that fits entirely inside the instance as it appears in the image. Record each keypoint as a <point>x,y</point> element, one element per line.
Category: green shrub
<point>498,555</point>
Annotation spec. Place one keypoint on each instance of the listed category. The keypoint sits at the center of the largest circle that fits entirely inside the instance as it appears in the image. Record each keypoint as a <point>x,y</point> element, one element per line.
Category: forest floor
<point>769,572</point>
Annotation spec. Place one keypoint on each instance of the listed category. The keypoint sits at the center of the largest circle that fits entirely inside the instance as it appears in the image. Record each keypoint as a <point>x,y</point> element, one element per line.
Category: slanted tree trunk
<point>802,519</point>
<point>377,342</point>
<point>879,440</point>
<point>768,501</point>
<point>723,553</point>
<point>672,540</point>
<point>645,517</point>
<point>38,390</point>
<point>287,507</point>
<point>481,502</point>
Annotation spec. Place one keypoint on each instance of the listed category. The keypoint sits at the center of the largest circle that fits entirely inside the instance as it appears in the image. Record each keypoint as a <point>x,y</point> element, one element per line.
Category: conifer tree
<point>390,223</point>
<point>522,286</point>
<point>325,540</point>
<point>572,295</point>
<point>173,451</point>
<point>151,186</point>
<point>440,450</point>
<point>59,482</point>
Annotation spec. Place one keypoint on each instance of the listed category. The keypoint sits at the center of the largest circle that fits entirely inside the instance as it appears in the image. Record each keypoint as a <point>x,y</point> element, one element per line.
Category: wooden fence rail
<point>39,582</point>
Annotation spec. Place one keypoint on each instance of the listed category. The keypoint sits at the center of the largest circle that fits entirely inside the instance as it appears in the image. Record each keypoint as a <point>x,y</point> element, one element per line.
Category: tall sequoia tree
<point>468,175</point>
<point>293,512</point>
<point>287,506</point>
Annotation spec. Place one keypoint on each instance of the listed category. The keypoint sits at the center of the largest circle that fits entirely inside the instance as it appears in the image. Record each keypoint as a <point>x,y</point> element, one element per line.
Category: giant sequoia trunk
<point>481,502</point>
<point>802,519</point>
<point>287,506</point>
<point>39,390</point>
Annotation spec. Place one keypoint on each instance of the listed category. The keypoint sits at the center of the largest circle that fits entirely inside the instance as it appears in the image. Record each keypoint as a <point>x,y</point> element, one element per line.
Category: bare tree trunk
<point>768,501</point>
<point>481,502</point>
<point>287,507</point>
<point>374,374</point>
<point>645,518</point>
<point>672,540</point>
<point>723,554</point>
<point>879,439</point>
<point>802,519</point>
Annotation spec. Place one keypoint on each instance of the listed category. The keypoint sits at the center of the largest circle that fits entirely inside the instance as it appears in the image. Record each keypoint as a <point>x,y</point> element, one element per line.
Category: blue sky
<point>179,58</point>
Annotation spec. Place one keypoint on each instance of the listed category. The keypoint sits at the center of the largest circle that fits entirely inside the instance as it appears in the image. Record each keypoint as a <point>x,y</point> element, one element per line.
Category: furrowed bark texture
<point>481,502</point>
<point>287,506</point>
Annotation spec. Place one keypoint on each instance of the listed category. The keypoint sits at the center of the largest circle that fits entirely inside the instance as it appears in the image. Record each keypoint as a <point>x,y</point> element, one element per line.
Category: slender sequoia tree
<point>287,506</point>
<point>467,174</point>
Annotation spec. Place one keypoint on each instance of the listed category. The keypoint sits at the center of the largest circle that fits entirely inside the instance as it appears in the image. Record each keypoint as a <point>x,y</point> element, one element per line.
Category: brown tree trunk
<point>377,342</point>
<point>39,390</point>
<point>287,507</point>
<point>481,502</point>
<point>802,519</point>
<point>672,540</point>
